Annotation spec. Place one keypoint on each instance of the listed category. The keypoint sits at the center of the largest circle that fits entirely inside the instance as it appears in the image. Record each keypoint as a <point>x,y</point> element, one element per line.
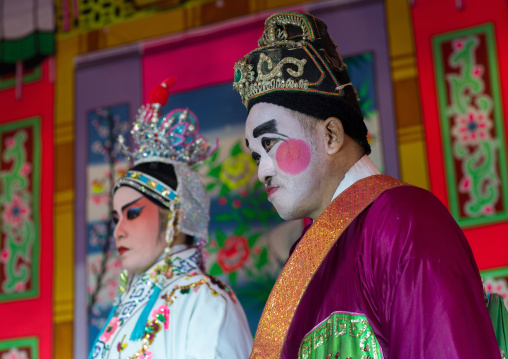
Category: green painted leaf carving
<point>232,278</point>
<point>237,148</point>
<point>224,191</point>
<point>263,258</point>
<point>215,155</point>
<point>252,239</point>
<point>221,237</point>
<point>224,217</point>
<point>211,186</point>
<point>250,214</point>
<point>215,270</point>
<point>242,227</point>
<point>215,172</point>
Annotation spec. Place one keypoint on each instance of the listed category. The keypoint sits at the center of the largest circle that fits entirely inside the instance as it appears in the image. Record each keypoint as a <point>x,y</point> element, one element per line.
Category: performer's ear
<point>334,135</point>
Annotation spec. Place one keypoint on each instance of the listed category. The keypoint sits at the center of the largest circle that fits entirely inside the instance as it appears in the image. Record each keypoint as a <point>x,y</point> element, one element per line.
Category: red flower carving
<point>472,128</point>
<point>16,212</point>
<point>233,254</point>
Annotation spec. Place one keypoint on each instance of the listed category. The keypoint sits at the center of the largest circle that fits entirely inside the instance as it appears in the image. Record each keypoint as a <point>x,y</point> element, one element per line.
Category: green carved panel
<point>20,348</point>
<point>19,203</point>
<point>472,126</point>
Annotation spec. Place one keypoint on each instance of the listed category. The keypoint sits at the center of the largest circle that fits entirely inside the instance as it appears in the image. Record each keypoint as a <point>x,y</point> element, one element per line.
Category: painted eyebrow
<point>128,204</point>
<point>267,127</point>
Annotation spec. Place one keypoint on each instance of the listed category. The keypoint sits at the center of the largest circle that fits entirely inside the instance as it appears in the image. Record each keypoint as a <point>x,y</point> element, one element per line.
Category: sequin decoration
<point>141,181</point>
<point>194,204</point>
<point>173,138</point>
<point>306,259</point>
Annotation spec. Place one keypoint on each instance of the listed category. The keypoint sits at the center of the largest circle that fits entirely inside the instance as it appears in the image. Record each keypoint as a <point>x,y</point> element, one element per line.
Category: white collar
<point>183,258</point>
<point>364,167</point>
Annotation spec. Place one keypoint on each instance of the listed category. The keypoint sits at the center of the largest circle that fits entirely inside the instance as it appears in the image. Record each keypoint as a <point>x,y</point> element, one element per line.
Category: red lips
<point>122,250</point>
<point>271,190</point>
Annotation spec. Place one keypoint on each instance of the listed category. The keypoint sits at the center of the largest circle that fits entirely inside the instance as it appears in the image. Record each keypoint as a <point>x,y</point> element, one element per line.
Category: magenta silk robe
<point>405,265</point>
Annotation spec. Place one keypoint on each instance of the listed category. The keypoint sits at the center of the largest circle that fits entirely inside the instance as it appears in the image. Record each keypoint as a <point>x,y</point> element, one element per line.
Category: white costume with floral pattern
<point>194,316</point>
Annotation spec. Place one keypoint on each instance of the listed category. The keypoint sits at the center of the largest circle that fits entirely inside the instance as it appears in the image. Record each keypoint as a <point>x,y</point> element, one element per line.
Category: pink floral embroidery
<point>110,329</point>
<point>147,355</point>
<point>162,315</point>
<point>16,212</point>
<point>14,354</point>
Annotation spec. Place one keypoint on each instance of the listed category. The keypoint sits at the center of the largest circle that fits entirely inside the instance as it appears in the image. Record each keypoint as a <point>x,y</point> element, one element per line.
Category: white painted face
<point>139,240</point>
<point>290,160</point>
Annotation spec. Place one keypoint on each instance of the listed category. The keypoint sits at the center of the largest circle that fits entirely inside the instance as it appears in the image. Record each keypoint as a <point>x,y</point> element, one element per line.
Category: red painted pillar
<point>464,87</point>
<point>26,220</point>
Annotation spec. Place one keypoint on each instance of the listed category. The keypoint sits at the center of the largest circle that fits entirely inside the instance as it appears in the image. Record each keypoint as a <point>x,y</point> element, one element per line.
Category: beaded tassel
<point>139,328</point>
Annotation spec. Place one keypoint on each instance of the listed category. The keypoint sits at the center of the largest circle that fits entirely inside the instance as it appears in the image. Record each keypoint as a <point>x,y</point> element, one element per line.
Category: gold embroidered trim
<point>306,259</point>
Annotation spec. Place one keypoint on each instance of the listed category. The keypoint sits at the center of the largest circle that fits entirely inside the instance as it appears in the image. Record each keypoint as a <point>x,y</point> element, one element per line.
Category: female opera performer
<point>167,306</point>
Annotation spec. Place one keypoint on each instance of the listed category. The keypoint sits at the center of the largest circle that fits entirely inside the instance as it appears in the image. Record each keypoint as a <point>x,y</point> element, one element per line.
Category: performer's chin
<point>286,213</point>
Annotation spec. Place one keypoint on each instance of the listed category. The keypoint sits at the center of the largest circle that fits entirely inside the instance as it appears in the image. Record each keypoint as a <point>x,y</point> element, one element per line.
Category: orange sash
<point>306,259</point>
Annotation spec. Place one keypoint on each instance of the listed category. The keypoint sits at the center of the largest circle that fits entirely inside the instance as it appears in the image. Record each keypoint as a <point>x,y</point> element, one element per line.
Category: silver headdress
<point>172,139</point>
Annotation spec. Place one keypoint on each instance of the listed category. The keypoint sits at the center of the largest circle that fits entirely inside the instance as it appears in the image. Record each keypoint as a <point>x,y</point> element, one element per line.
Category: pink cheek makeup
<point>293,156</point>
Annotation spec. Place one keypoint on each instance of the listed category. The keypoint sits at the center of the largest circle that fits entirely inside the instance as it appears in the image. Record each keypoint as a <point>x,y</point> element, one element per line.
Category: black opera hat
<point>298,67</point>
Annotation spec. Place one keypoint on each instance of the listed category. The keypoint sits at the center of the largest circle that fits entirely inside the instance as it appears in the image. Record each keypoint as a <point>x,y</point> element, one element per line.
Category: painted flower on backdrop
<point>98,186</point>
<point>98,148</point>
<point>472,128</point>
<point>236,171</point>
<point>233,254</point>
<point>111,328</point>
<point>16,212</point>
<point>14,353</point>
<point>370,138</point>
